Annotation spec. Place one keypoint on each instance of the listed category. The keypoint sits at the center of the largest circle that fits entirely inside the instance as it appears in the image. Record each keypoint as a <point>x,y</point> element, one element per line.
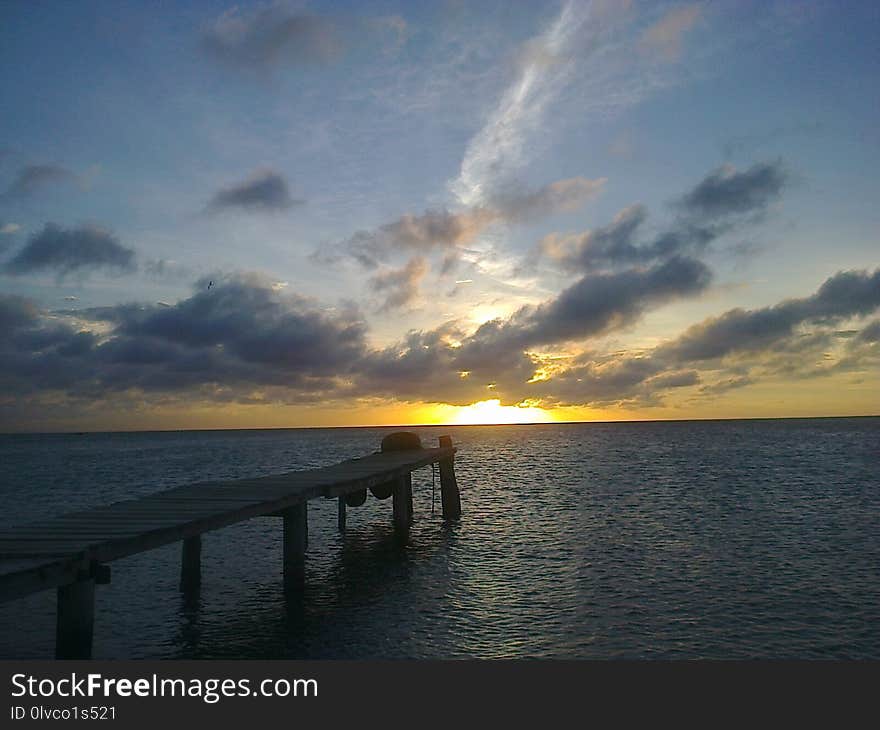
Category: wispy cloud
<point>32,179</point>
<point>499,148</point>
<point>263,38</point>
<point>400,286</point>
<point>450,231</point>
<point>665,38</point>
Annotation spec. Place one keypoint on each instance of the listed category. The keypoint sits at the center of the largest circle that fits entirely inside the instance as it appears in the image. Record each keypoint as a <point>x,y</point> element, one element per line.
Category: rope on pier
<point>433,484</point>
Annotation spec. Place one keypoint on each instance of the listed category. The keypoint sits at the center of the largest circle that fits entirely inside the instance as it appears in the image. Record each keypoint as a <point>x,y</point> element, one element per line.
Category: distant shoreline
<point>439,425</point>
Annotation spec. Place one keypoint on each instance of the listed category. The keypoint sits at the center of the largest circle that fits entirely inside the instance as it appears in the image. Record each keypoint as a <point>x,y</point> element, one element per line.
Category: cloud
<point>871,333</point>
<point>7,235</point>
<point>245,335</point>
<point>442,229</point>
<point>665,38</point>
<point>499,357</point>
<point>675,379</point>
<point>166,269</point>
<point>31,179</point>
<point>15,312</point>
<point>265,38</point>
<point>71,250</point>
<point>725,199</point>
<point>736,349</point>
<point>846,294</point>
<point>400,286</point>
<point>595,304</point>
<point>240,336</point>
<point>247,340</point>
<point>264,190</point>
<point>727,384</point>
<point>614,243</point>
<point>500,146</point>
<point>433,229</point>
<point>252,321</point>
<point>728,192</point>
<point>562,196</point>
<point>439,228</point>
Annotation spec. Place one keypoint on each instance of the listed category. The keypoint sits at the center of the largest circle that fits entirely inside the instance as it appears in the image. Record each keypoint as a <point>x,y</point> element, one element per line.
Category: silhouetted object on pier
<point>401,441</point>
<point>71,552</point>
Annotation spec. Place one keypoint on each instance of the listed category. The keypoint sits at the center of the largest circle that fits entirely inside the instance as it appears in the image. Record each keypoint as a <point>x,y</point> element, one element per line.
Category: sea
<point>652,540</point>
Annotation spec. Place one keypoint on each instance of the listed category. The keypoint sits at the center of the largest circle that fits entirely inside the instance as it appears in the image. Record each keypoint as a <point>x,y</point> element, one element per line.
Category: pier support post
<point>403,503</point>
<point>340,517</point>
<point>449,495</point>
<point>75,621</point>
<point>296,542</point>
<point>191,564</point>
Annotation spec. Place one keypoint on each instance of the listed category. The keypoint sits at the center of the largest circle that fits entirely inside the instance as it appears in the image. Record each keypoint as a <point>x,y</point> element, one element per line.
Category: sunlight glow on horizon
<point>489,412</point>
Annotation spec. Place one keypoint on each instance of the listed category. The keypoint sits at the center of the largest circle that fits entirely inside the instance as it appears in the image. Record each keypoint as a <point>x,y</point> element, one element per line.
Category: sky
<point>320,214</point>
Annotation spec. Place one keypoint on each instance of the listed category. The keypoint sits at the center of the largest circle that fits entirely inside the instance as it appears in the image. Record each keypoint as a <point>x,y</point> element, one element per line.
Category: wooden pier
<point>70,553</point>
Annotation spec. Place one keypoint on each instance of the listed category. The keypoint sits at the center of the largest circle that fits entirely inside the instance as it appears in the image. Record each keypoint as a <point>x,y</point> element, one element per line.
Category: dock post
<point>449,494</point>
<point>191,564</point>
<point>296,542</point>
<point>340,517</point>
<point>75,621</point>
<point>402,500</point>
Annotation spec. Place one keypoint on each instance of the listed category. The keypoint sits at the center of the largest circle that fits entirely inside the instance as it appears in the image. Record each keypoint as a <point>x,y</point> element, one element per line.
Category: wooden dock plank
<point>48,553</point>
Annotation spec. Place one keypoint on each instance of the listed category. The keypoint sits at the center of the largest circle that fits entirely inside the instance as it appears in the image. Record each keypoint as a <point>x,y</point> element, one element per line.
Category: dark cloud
<point>846,294</point>
<point>727,191</point>
<point>717,205</point>
<point>15,312</point>
<point>400,287</point>
<point>241,334</point>
<point>871,333</point>
<point>30,179</point>
<point>721,354</point>
<point>71,250</point>
<point>595,304</point>
<point>495,361</point>
<point>615,243</point>
<point>269,37</point>
<point>251,321</point>
<point>243,340</point>
<point>736,349</point>
<point>426,366</point>
<point>264,190</point>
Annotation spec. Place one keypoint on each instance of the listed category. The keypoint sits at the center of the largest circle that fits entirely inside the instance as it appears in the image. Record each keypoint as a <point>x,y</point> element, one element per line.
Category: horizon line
<point>436,425</point>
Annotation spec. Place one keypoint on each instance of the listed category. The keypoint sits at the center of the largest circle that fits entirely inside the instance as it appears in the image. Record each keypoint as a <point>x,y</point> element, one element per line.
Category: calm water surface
<point>655,540</point>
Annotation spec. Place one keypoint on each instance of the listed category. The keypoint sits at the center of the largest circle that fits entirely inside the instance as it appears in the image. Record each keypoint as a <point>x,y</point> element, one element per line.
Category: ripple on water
<point>723,539</point>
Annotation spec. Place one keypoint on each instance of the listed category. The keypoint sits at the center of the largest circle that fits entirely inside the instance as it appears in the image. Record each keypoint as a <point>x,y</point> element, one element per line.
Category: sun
<point>491,411</point>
